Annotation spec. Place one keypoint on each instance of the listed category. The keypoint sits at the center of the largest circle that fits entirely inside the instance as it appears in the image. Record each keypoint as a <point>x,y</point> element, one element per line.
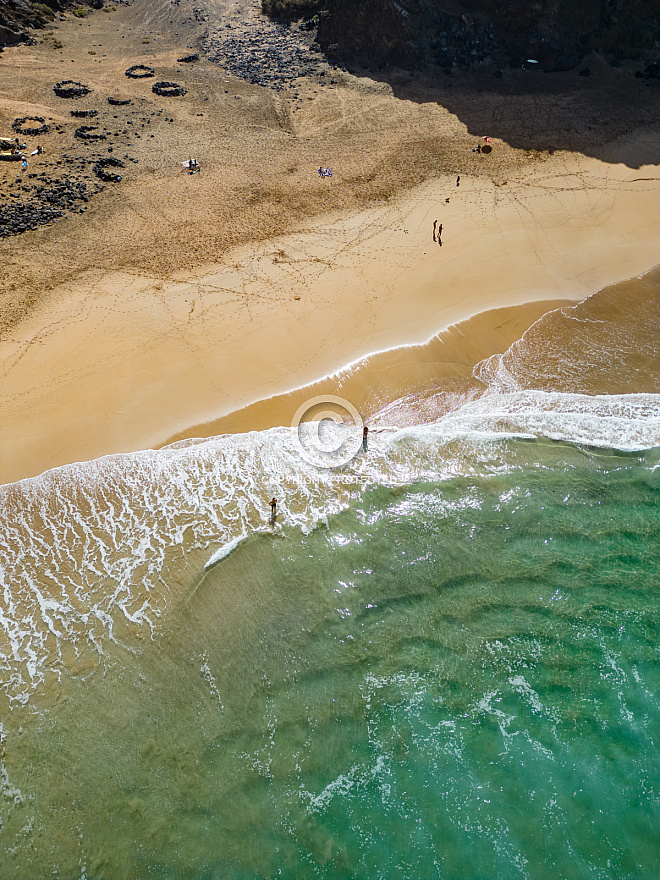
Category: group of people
<point>437,229</point>
<point>325,172</point>
<point>14,148</point>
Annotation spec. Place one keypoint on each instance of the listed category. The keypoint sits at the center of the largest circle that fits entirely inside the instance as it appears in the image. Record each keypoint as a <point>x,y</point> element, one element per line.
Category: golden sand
<point>177,301</point>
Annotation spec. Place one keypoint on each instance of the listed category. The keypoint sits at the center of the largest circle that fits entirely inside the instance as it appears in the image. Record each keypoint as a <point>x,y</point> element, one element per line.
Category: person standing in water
<point>365,430</point>
<point>273,510</point>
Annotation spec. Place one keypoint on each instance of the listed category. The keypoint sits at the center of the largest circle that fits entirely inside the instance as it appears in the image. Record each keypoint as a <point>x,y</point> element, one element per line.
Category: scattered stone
<point>43,204</point>
<point>84,114</point>
<point>108,176</point>
<point>168,89</point>
<point>119,102</point>
<point>88,133</point>
<point>69,88</point>
<point>140,71</point>
<point>188,59</point>
<point>269,54</point>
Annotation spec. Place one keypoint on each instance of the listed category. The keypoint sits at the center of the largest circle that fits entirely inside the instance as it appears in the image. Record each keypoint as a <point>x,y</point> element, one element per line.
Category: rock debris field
<point>42,199</point>
<point>265,54</point>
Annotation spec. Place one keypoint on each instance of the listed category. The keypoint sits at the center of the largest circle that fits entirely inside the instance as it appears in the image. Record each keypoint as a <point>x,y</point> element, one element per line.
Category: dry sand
<point>173,302</point>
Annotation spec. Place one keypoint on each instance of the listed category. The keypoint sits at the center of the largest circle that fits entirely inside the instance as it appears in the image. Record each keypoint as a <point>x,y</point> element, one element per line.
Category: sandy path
<point>119,362</point>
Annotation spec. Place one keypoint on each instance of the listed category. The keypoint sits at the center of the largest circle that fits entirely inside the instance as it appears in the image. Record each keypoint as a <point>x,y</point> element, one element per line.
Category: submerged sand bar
<point>120,362</point>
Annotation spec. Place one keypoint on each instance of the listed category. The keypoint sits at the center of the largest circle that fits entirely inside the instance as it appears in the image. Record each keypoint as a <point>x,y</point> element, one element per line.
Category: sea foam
<point>95,553</point>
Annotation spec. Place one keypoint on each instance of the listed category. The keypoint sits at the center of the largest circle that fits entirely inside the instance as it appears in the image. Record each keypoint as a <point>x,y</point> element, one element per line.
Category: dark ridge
<point>450,33</point>
<point>291,10</point>
<point>16,16</point>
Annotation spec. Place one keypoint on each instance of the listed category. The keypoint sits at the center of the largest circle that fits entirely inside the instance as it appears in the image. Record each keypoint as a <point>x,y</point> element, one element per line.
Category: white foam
<point>624,421</point>
<point>87,551</point>
<point>222,552</point>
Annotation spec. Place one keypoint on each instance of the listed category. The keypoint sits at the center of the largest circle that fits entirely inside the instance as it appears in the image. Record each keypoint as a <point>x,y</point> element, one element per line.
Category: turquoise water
<point>449,678</point>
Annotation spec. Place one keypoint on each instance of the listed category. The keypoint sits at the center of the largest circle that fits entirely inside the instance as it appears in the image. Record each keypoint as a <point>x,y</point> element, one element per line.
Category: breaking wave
<point>96,553</point>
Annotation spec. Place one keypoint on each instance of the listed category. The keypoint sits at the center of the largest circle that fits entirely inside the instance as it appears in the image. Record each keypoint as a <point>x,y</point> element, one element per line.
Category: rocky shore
<point>57,183</point>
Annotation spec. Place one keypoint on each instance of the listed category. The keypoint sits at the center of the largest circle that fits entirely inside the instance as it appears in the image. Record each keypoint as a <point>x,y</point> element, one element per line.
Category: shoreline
<point>441,365</point>
<point>115,362</point>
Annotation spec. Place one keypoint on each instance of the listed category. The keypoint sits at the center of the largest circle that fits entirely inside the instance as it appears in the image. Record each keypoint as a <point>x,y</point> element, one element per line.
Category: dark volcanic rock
<point>266,53</point>
<point>140,71</point>
<point>89,133</point>
<point>19,125</point>
<point>42,203</point>
<point>101,169</point>
<point>168,89</point>
<point>557,34</point>
<point>69,88</point>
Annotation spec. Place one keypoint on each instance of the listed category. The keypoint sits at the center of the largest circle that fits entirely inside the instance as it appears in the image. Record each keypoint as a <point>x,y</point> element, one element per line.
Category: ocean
<point>441,660</point>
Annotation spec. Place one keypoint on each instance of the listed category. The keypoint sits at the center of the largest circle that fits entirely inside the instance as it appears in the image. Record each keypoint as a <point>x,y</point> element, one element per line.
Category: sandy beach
<point>177,301</point>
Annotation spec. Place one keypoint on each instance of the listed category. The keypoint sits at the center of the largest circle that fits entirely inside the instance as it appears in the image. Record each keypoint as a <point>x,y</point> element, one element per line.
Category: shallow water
<point>449,679</point>
<point>441,661</point>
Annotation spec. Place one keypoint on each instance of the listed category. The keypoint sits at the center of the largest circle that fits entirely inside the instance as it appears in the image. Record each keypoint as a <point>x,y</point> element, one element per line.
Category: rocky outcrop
<point>19,17</point>
<point>555,33</point>
<point>16,17</point>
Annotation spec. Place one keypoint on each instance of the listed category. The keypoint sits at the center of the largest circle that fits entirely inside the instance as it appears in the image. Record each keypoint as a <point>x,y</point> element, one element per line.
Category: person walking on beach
<point>458,180</point>
<point>439,234</point>
<point>435,223</point>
